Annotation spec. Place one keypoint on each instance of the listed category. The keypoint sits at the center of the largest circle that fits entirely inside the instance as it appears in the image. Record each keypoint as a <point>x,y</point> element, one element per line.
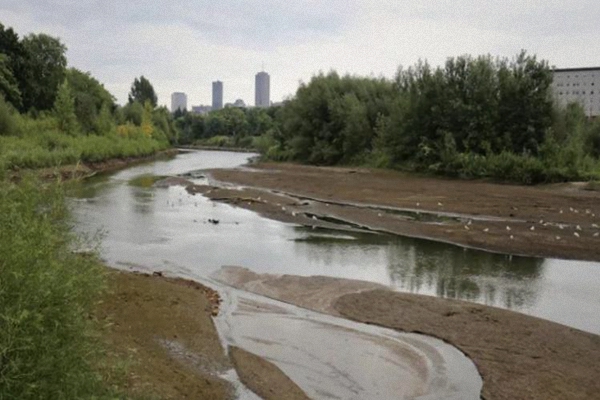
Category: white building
<point>178,101</point>
<point>262,95</point>
<point>581,85</point>
<point>201,109</point>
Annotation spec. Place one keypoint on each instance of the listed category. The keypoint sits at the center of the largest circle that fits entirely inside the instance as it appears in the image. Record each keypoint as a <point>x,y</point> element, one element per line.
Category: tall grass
<point>47,348</point>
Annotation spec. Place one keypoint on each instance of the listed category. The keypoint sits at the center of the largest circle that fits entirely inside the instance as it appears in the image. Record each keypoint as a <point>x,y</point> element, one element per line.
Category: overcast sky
<point>185,45</point>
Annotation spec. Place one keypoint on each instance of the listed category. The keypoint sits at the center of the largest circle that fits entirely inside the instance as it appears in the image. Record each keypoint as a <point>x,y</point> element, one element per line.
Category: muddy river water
<point>142,226</point>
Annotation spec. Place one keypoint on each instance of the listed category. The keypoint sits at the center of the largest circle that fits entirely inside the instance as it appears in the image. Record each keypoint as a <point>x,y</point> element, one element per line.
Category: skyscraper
<point>178,101</point>
<point>262,96</point>
<point>217,95</point>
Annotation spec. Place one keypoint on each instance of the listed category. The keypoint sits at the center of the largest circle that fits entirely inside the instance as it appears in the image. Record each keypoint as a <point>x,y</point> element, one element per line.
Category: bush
<point>8,125</point>
<point>46,296</point>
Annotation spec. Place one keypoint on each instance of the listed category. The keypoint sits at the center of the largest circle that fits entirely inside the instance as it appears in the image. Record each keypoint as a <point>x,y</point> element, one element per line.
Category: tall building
<point>217,95</point>
<point>262,95</point>
<point>579,85</point>
<point>178,101</point>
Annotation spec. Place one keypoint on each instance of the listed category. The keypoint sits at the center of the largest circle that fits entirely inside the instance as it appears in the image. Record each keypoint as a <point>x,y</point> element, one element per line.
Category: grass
<point>49,345</point>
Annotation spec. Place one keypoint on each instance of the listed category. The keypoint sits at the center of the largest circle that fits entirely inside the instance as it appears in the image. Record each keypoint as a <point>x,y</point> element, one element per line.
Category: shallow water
<point>167,229</point>
<point>334,358</point>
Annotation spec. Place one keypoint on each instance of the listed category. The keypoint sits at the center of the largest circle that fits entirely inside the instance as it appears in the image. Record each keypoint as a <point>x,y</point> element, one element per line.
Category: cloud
<point>183,46</point>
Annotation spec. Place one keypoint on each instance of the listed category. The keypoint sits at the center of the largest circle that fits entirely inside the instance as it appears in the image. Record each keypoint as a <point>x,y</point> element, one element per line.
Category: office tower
<point>262,96</point>
<point>578,85</point>
<point>217,95</point>
<point>178,101</point>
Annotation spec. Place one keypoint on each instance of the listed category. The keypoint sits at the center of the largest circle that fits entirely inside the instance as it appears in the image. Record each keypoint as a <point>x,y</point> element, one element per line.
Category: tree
<point>13,65</point>
<point>142,91</point>
<point>45,64</point>
<point>64,110</point>
<point>9,87</point>
<point>90,97</point>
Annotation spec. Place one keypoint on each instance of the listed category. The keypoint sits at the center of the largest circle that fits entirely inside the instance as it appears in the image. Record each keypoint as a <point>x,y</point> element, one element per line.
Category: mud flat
<point>558,221</point>
<point>518,356</point>
<point>162,329</point>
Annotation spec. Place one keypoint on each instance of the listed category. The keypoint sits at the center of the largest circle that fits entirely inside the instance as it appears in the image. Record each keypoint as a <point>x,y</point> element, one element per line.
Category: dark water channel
<point>167,229</point>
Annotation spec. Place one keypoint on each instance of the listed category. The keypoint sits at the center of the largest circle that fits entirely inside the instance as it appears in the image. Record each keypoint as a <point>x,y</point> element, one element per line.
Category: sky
<point>182,46</point>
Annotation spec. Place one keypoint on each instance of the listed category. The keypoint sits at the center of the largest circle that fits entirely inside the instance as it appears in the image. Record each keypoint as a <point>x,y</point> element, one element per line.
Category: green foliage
<point>46,295</point>
<point>64,110</point>
<point>8,124</point>
<point>90,98</point>
<point>44,72</point>
<point>9,87</point>
<point>142,91</point>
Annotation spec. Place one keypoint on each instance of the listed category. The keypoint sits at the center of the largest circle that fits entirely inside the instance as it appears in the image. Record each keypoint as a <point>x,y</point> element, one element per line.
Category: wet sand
<point>518,356</point>
<point>162,331</point>
<point>559,221</point>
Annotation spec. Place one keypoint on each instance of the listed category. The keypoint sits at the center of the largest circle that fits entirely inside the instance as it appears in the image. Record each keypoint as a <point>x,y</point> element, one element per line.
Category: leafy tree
<point>142,91</point>
<point>45,71</point>
<point>9,87</point>
<point>90,97</point>
<point>13,65</point>
<point>64,110</point>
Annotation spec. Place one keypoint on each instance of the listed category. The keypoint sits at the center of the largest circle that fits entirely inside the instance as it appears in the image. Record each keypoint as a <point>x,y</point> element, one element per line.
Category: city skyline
<point>184,47</point>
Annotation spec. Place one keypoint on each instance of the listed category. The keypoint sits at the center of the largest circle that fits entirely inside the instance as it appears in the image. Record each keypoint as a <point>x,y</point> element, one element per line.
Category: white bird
<point>532,228</point>
<point>560,212</point>
<point>470,222</point>
<point>541,221</point>
<point>576,234</point>
<point>258,199</point>
<point>282,208</point>
<point>595,226</point>
<point>439,204</point>
<point>508,228</point>
<point>466,227</point>
<point>511,237</point>
<point>418,204</point>
<point>588,211</point>
<point>596,234</point>
<point>578,227</point>
<point>379,215</point>
<point>558,238</point>
<point>571,209</point>
<point>576,211</point>
<point>314,217</point>
<point>560,226</point>
<point>486,230</point>
<point>293,214</point>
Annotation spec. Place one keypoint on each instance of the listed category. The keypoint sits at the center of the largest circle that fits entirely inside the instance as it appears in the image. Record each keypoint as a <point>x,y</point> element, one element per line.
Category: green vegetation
<point>51,115</point>
<point>47,293</point>
<point>471,118</point>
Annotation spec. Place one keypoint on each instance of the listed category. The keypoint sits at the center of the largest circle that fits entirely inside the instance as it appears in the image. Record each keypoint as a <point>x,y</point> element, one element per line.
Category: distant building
<point>217,95</point>
<point>201,109</point>
<point>178,101</point>
<point>580,85</point>
<point>262,95</point>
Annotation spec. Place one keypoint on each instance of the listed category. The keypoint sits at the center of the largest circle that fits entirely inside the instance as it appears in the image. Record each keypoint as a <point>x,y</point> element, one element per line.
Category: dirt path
<point>559,221</point>
<point>518,356</point>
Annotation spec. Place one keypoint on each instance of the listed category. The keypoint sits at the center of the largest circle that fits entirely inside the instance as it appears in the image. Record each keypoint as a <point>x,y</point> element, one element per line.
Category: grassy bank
<point>48,344</point>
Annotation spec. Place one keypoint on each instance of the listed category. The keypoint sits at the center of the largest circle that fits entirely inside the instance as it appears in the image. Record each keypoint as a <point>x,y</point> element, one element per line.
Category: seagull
<point>541,221</point>
<point>440,204</point>
<point>578,227</point>
<point>511,237</point>
<point>561,226</point>
<point>596,234</point>
<point>470,222</point>
<point>314,217</point>
<point>293,213</point>
<point>508,228</point>
<point>418,204</point>
<point>486,230</point>
<point>379,215</point>
<point>558,238</point>
<point>571,209</point>
<point>595,226</point>
<point>560,212</point>
<point>532,228</point>
<point>282,208</point>
<point>576,234</point>
<point>466,227</point>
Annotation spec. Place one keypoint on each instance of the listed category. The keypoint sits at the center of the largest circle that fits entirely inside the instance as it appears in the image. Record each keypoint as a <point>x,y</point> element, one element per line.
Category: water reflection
<point>421,266</point>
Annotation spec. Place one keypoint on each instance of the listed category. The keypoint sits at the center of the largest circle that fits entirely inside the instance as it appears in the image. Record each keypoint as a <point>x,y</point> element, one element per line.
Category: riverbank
<point>85,170</point>
<point>162,327</point>
<point>518,356</point>
<point>558,221</point>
